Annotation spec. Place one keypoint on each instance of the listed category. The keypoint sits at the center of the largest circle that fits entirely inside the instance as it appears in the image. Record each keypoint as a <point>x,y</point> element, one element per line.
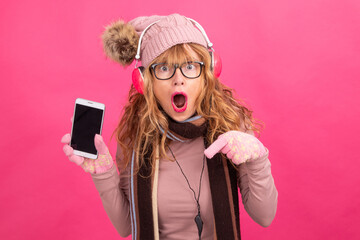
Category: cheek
<point>196,89</point>
<point>160,92</point>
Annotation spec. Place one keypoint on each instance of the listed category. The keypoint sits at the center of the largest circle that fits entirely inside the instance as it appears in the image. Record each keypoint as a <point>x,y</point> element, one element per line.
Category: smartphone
<point>88,121</point>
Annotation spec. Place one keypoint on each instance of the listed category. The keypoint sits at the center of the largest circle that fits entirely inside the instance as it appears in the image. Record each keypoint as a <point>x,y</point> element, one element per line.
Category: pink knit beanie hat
<point>121,39</point>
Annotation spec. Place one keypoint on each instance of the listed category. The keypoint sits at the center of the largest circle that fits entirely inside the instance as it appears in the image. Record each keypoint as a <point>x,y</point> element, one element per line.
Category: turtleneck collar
<point>188,130</point>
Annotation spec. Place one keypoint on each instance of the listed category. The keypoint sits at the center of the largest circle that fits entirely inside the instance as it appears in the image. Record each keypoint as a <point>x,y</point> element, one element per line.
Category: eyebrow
<point>194,60</point>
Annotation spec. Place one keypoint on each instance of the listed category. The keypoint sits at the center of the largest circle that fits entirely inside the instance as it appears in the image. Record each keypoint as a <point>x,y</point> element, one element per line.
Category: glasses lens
<point>164,71</point>
<point>191,69</point>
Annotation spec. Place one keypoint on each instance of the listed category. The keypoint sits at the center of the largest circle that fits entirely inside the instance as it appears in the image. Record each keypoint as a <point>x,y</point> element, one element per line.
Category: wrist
<point>259,160</point>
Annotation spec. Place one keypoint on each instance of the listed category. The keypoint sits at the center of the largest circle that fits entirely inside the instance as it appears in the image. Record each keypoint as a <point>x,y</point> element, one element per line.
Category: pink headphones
<point>137,74</point>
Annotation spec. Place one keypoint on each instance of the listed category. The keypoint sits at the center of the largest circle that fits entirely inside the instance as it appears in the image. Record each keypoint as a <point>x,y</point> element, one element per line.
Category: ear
<point>120,42</point>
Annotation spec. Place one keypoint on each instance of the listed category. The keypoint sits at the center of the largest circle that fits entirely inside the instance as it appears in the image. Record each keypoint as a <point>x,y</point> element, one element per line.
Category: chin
<point>180,116</point>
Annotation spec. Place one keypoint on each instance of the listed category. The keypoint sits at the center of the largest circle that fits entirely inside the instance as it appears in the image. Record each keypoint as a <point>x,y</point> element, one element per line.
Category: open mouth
<point>179,101</point>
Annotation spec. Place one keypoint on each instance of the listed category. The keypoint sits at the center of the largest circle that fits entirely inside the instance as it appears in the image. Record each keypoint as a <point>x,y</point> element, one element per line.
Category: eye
<point>164,68</point>
<point>190,66</point>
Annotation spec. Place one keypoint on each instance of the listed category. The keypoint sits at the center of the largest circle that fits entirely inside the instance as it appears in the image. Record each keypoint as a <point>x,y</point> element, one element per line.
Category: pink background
<point>296,63</point>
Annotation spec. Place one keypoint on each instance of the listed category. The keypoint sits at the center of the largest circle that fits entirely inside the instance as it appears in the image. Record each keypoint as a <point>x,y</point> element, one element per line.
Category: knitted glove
<point>102,164</point>
<point>238,146</point>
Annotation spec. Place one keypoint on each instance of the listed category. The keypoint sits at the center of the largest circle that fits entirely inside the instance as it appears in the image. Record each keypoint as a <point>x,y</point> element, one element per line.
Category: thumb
<point>100,145</point>
<point>215,147</point>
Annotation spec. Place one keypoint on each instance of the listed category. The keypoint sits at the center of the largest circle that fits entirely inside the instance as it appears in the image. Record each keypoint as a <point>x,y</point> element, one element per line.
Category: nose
<point>179,79</point>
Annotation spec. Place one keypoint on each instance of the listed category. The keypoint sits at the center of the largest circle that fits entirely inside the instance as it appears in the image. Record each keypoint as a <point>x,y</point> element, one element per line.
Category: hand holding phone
<point>85,145</point>
<point>102,164</point>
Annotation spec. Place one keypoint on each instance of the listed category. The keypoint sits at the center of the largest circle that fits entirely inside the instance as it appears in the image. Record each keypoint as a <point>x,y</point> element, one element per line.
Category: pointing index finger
<point>215,147</point>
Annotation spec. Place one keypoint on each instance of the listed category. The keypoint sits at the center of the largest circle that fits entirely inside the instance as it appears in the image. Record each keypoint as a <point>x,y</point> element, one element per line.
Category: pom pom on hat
<point>120,42</point>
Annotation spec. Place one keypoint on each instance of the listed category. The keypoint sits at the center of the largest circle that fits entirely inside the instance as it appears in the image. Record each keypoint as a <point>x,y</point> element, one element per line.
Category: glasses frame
<point>153,66</point>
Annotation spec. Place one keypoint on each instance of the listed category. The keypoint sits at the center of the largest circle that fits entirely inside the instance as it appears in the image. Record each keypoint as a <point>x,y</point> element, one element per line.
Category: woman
<point>185,144</point>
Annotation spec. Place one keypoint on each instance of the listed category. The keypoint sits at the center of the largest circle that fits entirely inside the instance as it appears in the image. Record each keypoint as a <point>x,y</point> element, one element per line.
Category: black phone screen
<point>87,123</point>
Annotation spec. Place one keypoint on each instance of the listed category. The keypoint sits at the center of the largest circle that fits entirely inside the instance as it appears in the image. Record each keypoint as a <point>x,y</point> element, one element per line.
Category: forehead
<point>178,54</point>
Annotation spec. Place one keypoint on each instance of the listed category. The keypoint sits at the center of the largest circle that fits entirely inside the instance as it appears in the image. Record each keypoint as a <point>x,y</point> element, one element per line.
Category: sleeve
<point>114,192</point>
<point>258,191</point>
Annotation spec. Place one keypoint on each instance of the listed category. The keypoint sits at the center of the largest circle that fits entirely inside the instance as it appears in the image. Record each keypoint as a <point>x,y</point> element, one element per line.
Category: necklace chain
<point>198,220</point>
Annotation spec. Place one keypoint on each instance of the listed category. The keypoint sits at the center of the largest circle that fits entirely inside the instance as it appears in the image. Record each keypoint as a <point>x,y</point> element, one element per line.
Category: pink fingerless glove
<point>95,166</point>
<point>238,146</point>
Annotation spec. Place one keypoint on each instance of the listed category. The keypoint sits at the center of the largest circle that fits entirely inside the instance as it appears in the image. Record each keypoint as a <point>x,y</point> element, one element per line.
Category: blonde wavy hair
<point>139,127</point>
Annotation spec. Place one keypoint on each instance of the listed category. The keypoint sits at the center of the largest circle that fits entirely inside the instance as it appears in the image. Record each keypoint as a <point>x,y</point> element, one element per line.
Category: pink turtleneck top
<point>176,204</point>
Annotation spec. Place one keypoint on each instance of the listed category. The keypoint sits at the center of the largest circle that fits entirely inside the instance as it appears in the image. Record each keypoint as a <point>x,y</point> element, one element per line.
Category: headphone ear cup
<point>216,64</point>
<point>138,79</point>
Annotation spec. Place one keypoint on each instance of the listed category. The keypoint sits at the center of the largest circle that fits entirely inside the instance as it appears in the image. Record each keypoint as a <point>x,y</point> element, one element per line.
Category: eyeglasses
<point>164,71</point>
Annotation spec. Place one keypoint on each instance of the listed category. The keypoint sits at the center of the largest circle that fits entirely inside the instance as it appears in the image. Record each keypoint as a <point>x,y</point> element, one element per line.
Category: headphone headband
<point>137,56</point>
<point>201,29</point>
<point>209,44</point>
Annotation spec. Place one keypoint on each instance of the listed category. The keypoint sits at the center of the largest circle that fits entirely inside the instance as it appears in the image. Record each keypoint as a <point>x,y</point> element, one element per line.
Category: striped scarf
<point>223,187</point>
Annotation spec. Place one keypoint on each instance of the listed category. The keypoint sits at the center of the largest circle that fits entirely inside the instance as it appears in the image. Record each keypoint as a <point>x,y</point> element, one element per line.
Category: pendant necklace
<point>198,220</point>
